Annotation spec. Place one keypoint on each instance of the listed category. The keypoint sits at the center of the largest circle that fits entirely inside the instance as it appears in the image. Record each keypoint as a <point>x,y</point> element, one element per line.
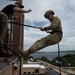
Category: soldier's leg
<point>3,27</point>
<point>44,42</point>
<point>3,33</point>
<point>40,44</point>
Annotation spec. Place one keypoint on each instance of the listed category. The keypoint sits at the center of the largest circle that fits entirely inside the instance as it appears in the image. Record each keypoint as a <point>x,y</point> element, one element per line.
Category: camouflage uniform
<point>3,28</point>
<point>49,40</point>
<point>4,35</point>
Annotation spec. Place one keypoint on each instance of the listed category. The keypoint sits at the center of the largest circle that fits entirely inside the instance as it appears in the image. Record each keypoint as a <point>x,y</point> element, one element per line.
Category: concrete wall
<point>7,70</point>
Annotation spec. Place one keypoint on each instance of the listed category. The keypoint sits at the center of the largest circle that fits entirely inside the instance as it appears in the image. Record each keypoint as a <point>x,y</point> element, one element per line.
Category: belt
<point>59,33</point>
<point>56,32</point>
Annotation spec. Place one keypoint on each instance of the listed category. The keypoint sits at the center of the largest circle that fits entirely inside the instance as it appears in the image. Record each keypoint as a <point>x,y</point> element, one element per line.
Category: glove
<point>42,28</point>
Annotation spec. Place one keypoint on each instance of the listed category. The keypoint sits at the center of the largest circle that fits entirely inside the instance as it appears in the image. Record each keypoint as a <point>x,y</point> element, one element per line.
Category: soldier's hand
<point>42,28</point>
<point>29,10</point>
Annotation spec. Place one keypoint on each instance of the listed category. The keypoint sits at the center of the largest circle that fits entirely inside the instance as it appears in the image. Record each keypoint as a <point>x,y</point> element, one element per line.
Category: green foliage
<point>67,60</point>
<point>43,58</point>
<point>64,61</point>
<point>24,61</point>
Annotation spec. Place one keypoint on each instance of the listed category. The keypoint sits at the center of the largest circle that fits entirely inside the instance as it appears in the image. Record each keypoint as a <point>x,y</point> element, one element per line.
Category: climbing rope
<point>29,26</point>
<point>24,25</point>
<point>59,58</point>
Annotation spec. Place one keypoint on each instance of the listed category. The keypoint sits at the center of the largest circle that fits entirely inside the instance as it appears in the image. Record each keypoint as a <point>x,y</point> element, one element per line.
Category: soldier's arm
<point>20,10</point>
<point>54,24</point>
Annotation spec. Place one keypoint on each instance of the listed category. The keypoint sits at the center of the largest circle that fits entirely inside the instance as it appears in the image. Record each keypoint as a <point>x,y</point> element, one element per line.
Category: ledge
<point>5,62</point>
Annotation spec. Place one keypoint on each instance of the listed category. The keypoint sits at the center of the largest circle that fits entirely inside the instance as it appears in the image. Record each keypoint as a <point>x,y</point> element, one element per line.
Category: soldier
<point>5,14</point>
<point>54,38</point>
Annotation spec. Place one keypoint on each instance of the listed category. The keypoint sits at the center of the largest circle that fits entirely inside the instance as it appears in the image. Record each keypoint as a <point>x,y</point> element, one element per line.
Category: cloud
<point>64,9</point>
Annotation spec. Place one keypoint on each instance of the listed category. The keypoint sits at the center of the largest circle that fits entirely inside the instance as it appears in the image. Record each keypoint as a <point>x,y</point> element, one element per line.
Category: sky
<point>64,9</point>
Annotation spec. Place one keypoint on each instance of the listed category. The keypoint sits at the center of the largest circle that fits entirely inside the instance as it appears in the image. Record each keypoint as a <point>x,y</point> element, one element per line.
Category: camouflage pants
<point>44,42</point>
<point>3,28</point>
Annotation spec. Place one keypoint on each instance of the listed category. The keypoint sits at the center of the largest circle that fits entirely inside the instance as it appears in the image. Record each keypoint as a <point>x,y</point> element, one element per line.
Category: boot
<point>24,54</point>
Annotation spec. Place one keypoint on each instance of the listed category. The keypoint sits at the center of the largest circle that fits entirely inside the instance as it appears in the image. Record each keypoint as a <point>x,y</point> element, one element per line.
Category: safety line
<point>24,25</point>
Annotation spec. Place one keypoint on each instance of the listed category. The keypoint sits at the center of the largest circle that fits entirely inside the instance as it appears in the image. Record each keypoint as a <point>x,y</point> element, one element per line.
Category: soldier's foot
<point>26,55</point>
<point>23,53</point>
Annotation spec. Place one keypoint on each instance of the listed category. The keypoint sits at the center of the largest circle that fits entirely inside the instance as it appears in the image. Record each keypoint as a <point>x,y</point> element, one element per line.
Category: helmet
<point>47,13</point>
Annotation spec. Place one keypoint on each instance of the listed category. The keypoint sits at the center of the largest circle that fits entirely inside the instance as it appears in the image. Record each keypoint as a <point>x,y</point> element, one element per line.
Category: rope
<point>24,25</point>
<point>59,58</point>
